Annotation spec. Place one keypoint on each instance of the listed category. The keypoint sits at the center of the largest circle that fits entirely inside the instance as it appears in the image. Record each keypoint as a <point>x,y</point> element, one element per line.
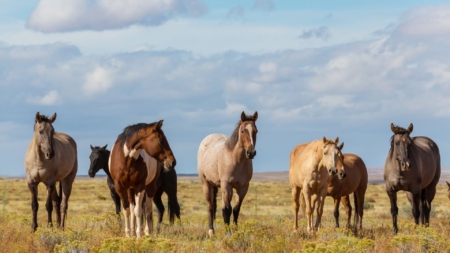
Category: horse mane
<point>233,139</point>
<point>129,131</point>
<point>397,130</point>
<point>43,119</point>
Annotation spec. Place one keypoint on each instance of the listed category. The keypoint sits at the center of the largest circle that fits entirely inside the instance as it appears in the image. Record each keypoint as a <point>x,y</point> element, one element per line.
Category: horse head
<point>401,144</point>
<point>155,143</point>
<point>341,169</point>
<point>330,155</point>
<point>43,132</point>
<point>98,159</point>
<point>247,134</point>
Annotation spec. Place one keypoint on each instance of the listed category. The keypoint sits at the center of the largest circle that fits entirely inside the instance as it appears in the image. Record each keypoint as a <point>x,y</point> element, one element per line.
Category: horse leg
<point>34,203</point>
<point>358,195</point>
<point>307,198</point>
<point>66,190</point>
<point>227,195</point>
<point>115,197</point>
<point>296,199</point>
<point>158,203</point>
<point>208,192</point>
<point>337,201</point>
<point>56,200</point>
<point>51,189</point>
<point>345,200</point>
<point>173,206</point>
<point>414,199</point>
<point>241,192</point>
<point>122,192</point>
<point>138,213</point>
<point>320,204</point>
<point>150,191</point>
<point>431,191</point>
<point>394,209</point>
<point>131,197</point>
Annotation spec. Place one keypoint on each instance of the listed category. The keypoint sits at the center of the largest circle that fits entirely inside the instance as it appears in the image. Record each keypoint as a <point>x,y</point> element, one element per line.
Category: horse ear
<point>393,128</point>
<point>53,118</point>
<point>324,140</point>
<point>448,184</point>
<point>92,148</point>
<point>243,117</point>
<point>38,117</point>
<point>159,124</point>
<point>340,146</point>
<point>337,140</point>
<point>255,116</point>
<point>410,128</point>
<point>104,147</point>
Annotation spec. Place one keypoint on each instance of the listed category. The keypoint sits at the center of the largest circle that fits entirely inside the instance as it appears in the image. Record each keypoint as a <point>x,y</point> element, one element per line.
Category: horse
<point>167,182</point>
<point>448,184</point>
<point>310,171</point>
<point>413,164</point>
<point>135,173</point>
<point>226,162</point>
<point>51,157</point>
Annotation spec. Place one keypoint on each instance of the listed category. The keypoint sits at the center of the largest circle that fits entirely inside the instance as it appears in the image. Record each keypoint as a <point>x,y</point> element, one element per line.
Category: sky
<point>310,69</point>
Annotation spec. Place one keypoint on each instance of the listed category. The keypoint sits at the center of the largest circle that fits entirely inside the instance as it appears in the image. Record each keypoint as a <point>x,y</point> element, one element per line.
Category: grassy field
<point>265,224</point>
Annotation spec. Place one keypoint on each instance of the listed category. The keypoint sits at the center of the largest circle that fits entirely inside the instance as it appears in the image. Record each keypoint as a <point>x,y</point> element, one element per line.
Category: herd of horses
<point>140,167</point>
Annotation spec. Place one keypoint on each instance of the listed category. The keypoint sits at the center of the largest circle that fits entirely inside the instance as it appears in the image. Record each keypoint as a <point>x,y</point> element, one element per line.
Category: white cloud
<point>51,98</point>
<point>426,21</point>
<point>98,15</point>
<point>99,80</point>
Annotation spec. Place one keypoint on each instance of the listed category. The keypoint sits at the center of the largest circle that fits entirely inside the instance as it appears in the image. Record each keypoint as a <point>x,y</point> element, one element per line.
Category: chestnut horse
<point>226,162</point>
<point>412,165</point>
<point>167,182</point>
<point>310,172</point>
<point>51,157</point>
<point>135,172</point>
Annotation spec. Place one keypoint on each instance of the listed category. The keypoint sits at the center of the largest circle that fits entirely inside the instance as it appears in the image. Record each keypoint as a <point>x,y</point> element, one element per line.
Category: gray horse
<point>412,165</point>
<point>51,157</point>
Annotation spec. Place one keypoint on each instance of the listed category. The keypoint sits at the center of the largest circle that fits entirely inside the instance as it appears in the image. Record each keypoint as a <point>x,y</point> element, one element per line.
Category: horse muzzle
<point>332,171</point>
<point>404,166</point>
<point>250,154</point>
<point>170,165</point>
<point>49,155</point>
<point>342,175</point>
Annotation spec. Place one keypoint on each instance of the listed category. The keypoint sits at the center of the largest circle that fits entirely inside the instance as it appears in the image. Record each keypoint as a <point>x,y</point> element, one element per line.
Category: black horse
<point>167,182</point>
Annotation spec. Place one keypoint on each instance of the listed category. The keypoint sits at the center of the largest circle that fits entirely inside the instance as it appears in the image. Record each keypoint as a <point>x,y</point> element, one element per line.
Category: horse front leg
<point>394,209</point>
<point>159,204</point>
<point>306,192</point>
<point>227,195</point>
<point>138,212</point>
<point>122,192</point>
<point>150,191</point>
<point>337,201</point>
<point>34,203</point>
<point>56,199</point>
<point>414,199</point>
<point>241,192</point>
<point>320,204</point>
<point>348,209</point>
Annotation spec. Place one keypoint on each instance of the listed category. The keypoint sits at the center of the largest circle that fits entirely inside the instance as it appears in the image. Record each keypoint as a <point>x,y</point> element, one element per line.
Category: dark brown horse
<point>167,182</point>
<point>135,171</point>
<point>51,157</point>
<point>413,164</point>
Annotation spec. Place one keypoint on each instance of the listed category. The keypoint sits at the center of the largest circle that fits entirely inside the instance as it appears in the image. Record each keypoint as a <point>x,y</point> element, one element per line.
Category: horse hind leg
<point>430,193</point>
<point>210,193</point>
<point>56,199</point>
<point>159,204</point>
<point>49,203</point>
<point>296,204</point>
<point>415,199</point>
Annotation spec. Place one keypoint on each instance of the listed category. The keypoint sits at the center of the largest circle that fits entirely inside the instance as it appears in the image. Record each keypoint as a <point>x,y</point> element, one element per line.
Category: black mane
<point>129,131</point>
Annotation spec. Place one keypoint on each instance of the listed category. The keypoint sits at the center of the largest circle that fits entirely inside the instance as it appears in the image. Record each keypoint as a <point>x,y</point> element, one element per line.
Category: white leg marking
<point>148,215</point>
<point>138,213</point>
<point>126,215</point>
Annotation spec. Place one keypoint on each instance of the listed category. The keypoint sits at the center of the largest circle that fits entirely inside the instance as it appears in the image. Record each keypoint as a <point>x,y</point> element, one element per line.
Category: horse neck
<point>35,147</point>
<point>106,164</point>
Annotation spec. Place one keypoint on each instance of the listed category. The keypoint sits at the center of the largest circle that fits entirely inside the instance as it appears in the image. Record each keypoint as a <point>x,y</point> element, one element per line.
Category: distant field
<point>265,223</point>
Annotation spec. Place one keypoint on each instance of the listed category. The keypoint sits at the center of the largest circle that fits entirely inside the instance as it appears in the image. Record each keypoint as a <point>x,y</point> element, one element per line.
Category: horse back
<point>426,158</point>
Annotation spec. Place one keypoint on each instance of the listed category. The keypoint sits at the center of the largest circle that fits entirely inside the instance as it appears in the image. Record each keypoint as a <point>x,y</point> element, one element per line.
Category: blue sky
<point>310,69</point>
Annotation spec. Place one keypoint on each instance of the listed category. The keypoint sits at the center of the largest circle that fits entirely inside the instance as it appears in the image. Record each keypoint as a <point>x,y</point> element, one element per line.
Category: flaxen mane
<point>129,131</point>
<point>233,139</point>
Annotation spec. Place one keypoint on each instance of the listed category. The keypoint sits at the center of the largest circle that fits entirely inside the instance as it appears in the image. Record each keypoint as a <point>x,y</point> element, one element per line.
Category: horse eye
<point>326,152</point>
<point>242,131</point>
<point>41,132</point>
<point>397,143</point>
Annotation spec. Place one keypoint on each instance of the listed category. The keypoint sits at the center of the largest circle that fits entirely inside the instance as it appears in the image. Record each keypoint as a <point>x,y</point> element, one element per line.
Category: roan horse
<point>226,162</point>
<point>310,172</point>
<point>167,182</point>
<point>51,157</point>
<point>134,172</point>
<point>412,165</point>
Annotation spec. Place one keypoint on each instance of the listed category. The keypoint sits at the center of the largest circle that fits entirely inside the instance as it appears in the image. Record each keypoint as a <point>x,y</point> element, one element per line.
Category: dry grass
<point>265,224</point>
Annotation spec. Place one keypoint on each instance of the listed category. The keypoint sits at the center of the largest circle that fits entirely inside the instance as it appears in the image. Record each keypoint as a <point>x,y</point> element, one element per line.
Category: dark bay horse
<point>51,157</point>
<point>167,182</point>
<point>310,170</point>
<point>226,162</point>
<point>133,167</point>
<point>413,164</point>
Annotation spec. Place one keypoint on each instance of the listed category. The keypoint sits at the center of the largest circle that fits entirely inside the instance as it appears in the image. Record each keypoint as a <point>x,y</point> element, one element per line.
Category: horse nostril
<point>174,163</point>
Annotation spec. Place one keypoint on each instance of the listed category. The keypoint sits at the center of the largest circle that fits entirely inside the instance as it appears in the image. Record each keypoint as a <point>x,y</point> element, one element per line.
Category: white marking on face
<point>250,132</point>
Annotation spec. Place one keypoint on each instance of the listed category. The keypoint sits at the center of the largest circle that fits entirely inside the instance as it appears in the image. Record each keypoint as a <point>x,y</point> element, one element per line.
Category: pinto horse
<point>412,165</point>
<point>135,172</point>
<point>167,182</point>
<point>310,171</point>
<point>226,162</point>
<point>51,157</point>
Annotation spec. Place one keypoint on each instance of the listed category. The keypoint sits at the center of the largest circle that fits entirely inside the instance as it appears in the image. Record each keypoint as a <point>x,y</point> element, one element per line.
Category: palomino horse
<point>135,173</point>
<point>412,165</point>
<point>309,174</point>
<point>167,182</point>
<point>448,184</point>
<point>50,157</point>
<point>226,162</point>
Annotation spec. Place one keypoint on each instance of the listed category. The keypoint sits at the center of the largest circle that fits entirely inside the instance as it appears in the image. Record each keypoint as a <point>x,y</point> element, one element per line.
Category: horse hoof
<point>211,232</point>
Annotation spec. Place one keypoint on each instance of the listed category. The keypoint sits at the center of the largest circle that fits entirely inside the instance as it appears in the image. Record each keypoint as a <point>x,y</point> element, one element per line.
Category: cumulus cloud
<point>99,80</point>
<point>51,98</point>
<point>426,21</point>
<point>321,33</point>
<point>265,5</point>
<point>62,16</point>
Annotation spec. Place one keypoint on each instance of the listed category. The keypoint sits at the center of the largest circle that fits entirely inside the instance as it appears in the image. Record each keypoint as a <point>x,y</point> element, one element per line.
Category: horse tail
<point>214,202</point>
